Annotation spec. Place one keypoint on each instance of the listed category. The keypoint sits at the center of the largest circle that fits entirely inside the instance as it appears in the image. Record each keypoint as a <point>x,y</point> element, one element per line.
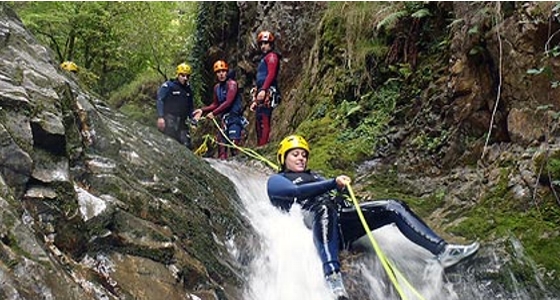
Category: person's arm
<point>190,101</point>
<point>214,104</point>
<point>272,60</point>
<point>231,94</point>
<point>282,189</point>
<point>197,113</point>
<point>161,95</point>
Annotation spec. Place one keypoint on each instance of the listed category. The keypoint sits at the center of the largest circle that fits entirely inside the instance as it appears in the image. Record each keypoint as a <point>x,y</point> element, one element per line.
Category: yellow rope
<point>252,153</point>
<point>389,268</point>
<point>200,151</point>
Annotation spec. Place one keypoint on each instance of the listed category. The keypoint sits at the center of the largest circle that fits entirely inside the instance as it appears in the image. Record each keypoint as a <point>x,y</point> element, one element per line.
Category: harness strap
<point>271,98</point>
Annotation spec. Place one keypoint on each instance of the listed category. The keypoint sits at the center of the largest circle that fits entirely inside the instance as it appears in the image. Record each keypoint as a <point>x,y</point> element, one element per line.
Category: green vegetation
<point>499,215</point>
<point>369,64</point>
<point>113,42</point>
<point>137,98</point>
<point>369,78</point>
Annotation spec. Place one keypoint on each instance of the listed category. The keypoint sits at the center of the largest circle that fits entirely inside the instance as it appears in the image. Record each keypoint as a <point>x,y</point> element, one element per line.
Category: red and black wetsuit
<point>228,107</point>
<point>267,76</point>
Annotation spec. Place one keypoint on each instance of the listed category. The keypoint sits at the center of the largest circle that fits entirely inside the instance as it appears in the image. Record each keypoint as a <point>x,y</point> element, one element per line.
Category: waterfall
<point>285,264</point>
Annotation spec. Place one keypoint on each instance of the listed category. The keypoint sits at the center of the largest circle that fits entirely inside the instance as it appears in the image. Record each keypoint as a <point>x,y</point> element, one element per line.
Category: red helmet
<point>220,65</point>
<point>265,36</point>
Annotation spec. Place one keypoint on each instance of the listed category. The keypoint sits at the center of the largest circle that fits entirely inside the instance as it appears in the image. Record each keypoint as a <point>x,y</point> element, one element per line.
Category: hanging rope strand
<point>391,270</point>
<point>498,23</point>
<point>250,152</point>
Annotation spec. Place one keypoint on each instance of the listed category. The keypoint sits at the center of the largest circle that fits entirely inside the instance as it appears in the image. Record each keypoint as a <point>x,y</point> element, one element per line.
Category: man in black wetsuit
<point>175,106</point>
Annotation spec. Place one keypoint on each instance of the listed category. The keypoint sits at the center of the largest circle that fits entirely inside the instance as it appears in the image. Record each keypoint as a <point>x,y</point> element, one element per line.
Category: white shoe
<point>337,286</point>
<point>452,254</point>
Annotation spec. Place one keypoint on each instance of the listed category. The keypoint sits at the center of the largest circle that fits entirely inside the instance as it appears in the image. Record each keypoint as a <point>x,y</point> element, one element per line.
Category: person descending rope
<point>335,223</point>
<point>175,106</point>
<point>228,107</point>
<point>266,96</point>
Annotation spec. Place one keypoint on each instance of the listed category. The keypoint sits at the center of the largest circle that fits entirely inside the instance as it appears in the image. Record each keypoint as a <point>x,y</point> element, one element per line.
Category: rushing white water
<point>286,265</point>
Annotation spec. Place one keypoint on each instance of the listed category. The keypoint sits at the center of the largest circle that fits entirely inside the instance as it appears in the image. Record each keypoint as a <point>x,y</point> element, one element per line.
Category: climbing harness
<point>391,270</point>
<point>272,97</point>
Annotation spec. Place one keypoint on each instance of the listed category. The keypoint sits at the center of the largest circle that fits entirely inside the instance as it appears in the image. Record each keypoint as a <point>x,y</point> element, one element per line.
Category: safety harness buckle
<point>272,97</point>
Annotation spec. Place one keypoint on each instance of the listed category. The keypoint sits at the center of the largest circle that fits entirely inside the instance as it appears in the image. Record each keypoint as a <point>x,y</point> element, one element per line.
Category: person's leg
<point>323,220</point>
<point>222,141</point>
<point>264,115</point>
<point>184,134</point>
<point>383,212</point>
<point>234,134</point>
<point>259,126</point>
<point>171,126</point>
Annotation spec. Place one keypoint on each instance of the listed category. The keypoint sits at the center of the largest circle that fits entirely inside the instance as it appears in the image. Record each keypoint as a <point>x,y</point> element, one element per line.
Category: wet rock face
<point>93,206</point>
<point>513,48</point>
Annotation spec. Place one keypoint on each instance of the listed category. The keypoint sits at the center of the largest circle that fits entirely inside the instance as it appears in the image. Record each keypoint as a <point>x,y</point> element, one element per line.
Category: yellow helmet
<point>289,143</point>
<point>69,66</point>
<point>184,69</point>
<point>220,65</point>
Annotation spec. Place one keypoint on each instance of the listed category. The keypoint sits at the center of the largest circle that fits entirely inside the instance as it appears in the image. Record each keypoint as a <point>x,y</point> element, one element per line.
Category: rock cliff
<point>94,206</point>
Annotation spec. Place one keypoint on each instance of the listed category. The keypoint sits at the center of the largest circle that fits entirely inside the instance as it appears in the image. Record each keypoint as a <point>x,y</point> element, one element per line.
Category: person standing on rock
<point>266,95</point>
<point>336,224</point>
<point>228,107</point>
<point>175,106</point>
